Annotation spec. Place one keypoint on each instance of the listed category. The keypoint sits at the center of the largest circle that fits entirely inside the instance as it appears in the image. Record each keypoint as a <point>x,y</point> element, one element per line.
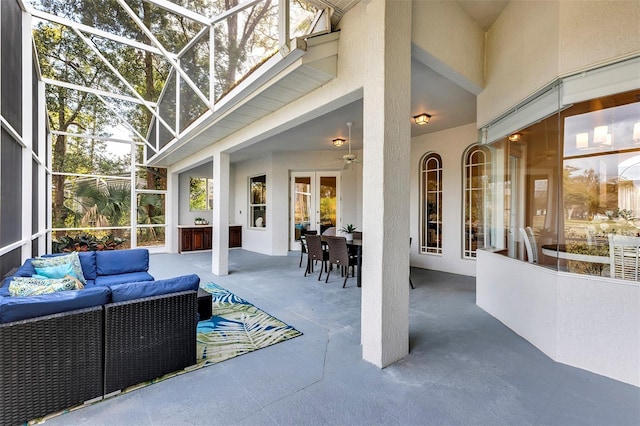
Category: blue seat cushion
<point>138,290</point>
<point>19,308</point>
<point>116,262</point>
<point>130,277</point>
<point>25,270</point>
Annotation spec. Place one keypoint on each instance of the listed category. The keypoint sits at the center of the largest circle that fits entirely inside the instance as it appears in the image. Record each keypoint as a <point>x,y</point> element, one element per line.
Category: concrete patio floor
<point>464,366</point>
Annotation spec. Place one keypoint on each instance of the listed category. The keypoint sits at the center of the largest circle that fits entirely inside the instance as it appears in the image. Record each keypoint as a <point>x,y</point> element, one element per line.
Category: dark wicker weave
<point>50,363</point>
<point>148,338</point>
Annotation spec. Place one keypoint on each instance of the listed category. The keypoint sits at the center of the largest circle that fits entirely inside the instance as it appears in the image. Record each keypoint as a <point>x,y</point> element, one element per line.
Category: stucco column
<point>220,246</point>
<point>387,139</point>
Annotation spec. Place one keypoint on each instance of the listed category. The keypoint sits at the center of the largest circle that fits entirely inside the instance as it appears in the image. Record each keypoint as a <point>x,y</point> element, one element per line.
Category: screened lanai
<point>187,117</point>
<point>127,82</point>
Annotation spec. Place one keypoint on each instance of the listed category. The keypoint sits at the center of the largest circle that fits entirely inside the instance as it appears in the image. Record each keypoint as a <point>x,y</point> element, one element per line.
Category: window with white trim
<point>431,204</point>
<point>477,173</point>
<point>258,201</point>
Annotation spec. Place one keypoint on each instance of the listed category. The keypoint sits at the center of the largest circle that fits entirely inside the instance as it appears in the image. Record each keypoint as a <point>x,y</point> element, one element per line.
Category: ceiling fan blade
<point>346,165</point>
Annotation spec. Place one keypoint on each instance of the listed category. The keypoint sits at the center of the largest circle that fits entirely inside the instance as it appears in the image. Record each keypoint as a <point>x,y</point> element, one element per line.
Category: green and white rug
<point>236,327</point>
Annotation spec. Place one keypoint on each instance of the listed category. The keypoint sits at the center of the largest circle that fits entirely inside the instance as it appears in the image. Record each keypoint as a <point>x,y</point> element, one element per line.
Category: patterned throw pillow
<point>73,258</point>
<point>27,286</point>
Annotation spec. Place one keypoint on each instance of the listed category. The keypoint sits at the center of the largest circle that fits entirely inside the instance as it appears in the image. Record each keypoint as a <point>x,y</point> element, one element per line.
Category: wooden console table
<point>199,237</point>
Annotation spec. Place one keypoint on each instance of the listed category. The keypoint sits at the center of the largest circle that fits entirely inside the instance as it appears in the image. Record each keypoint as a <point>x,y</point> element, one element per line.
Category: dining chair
<point>534,243</point>
<point>530,244</point>
<point>315,252</point>
<point>330,231</point>
<point>624,252</point>
<point>357,235</point>
<point>303,243</point>
<point>339,256</point>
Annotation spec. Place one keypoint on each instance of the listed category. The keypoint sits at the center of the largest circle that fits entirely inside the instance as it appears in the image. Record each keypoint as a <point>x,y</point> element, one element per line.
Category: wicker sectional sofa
<point>61,349</point>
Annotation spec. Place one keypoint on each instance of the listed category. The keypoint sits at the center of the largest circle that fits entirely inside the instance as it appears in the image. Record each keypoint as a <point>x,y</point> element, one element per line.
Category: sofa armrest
<point>137,290</point>
<point>50,363</point>
<point>148,338</point>
<point>18,308</point>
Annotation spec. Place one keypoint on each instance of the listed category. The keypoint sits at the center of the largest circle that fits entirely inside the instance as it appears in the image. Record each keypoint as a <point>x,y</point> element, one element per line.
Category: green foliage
<point>348,228</point>
<point>588,268</point>
<point>86,242</point>
<point>197,193</point>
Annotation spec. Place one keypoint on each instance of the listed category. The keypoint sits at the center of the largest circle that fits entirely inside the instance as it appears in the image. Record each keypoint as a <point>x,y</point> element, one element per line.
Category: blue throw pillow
<point>56,271</point>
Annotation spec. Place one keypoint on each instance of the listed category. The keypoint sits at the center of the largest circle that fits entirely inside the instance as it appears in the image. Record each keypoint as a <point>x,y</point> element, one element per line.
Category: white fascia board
<point>616,78</point>
<point>523,116</point>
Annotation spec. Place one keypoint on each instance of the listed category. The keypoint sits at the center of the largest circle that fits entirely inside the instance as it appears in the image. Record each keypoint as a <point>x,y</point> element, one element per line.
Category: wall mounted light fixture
<point>422,119</point>
<point>582,140</point>
<point>600,135</point>
<point>338,142</point>
<point>636,132</point>
<point>515,137</point>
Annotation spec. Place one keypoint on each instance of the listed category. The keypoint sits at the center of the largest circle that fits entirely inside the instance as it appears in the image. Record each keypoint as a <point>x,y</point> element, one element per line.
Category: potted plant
<point>348,230</point>
<point>200,221</point>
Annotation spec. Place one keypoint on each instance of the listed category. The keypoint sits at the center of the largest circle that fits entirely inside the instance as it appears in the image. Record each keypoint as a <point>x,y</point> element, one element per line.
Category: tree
<point>580,191</point>
<point>104,204</point>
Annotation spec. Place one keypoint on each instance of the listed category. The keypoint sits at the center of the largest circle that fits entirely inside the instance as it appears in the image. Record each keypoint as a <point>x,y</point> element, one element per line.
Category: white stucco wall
<point>450,144</point>
<point>274,239</point>
<point>521,56</point>
<point>253,239</point>
<point>584,321</point>
<point>532,43</point>
<point>595,32</point>
<point>445,38</point>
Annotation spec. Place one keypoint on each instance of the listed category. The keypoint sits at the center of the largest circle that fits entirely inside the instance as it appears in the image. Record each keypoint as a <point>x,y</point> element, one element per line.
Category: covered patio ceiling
<point>449,104</point>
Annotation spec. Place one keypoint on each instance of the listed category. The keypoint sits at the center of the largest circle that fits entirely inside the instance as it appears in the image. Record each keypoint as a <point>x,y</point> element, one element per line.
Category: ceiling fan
<point>349,158</point>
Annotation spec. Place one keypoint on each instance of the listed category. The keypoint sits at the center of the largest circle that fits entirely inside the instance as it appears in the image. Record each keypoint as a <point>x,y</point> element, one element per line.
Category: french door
<point>315,203</point>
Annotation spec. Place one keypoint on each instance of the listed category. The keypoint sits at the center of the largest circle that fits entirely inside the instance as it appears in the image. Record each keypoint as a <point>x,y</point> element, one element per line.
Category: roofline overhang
<point>304,53</point>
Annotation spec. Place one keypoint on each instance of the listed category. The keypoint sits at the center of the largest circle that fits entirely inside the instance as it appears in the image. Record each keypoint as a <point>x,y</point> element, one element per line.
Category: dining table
<point>355,246</point>
<point>560,251</point>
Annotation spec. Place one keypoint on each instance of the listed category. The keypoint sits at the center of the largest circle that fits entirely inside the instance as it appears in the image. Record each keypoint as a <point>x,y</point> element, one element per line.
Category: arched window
<point>477,173</point>
<point>431,204</point>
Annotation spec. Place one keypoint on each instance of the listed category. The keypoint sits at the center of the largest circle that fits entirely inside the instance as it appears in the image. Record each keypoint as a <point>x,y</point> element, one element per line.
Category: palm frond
<point>237,327</point>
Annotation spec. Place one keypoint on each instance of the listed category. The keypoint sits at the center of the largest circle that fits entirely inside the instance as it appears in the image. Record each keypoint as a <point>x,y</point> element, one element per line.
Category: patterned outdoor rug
<point>236,327</point>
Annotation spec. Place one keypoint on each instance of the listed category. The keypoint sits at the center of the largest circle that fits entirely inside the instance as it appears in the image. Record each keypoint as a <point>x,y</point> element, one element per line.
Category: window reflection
<point>581,183</point>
